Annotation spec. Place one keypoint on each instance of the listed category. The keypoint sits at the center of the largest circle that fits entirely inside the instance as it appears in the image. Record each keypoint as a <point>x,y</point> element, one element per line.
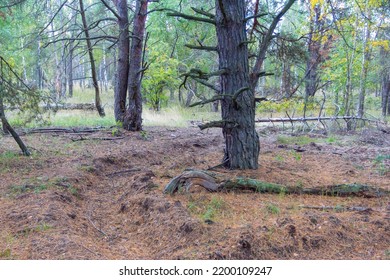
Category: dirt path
<point>102,199</point>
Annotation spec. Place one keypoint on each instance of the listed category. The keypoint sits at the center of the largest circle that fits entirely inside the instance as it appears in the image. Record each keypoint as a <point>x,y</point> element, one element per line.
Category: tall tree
<point>237,84</point>
<point>122,68</point>
<point>98,102</point>
<point>242,145</point>
<point>316,33</point>
<point>133,116</point>
<point>365,63</point>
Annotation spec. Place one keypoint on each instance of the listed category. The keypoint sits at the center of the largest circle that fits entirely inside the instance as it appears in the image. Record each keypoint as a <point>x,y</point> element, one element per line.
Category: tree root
<point>212,181</point>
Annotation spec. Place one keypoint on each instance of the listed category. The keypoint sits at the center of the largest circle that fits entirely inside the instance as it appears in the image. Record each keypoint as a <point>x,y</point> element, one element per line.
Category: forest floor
<point>99,196</point>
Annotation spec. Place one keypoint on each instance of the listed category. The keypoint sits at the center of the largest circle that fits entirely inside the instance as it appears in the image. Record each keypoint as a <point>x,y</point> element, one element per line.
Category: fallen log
<point>307,119</point>
<point>212,181</point>
<point>64,130</point>
<point>63,106</point>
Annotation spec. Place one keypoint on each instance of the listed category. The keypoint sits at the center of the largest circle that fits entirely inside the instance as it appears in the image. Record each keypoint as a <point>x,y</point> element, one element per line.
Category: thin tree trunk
<point>266,40</point>
<point>242,145</point>
<point>133,116</point>
<point>385,81</point>
<point>8,128</point>
<point>122,70</point>
<point>98,104</point>
<point>70,70</point>
<point>314,49</point>
<point>365,64</point>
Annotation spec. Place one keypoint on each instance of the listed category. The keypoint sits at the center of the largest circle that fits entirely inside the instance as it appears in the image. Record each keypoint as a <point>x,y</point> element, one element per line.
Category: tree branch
<point>255,16</point>
<point>203,12</point>
<point>111,9</point>
<point>203,82</point>
<point>190,17</point>
<point>212,99</point>
<point>220,124</point>
<point>204,48</point>
<point>254,76</point>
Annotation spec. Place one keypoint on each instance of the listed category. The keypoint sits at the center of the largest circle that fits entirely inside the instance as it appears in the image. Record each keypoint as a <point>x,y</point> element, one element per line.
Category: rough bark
<point>98,102</point>
<point>132,119</point>
<point>122,73</point>
<point>242,145</point>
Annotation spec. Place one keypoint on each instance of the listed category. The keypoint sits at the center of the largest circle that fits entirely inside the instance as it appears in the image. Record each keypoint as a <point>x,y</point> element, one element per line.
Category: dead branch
<point>216,124</point>
<point>203,12</point>
<point>64,130</point>
<point>123,172</point>
<point>93,224</point>
<point>338,208</point>
<point>203,48</point>
<point>306,119</point>
<point>96,138</point>
<point>190,17</point>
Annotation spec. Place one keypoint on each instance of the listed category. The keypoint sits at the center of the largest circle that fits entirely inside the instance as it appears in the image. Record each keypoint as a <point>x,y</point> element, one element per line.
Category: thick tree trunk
<point>133,117</point>
<point>122,73</point>
<point>238,112</point>
<point>98,102</point>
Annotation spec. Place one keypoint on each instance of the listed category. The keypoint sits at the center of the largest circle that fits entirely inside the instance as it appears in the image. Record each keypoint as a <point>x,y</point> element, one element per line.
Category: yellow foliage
<point>382,43</point>
<point>313,3</point>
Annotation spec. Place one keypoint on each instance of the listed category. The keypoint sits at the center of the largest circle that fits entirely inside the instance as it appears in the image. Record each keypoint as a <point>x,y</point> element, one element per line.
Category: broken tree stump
<point>212,181</point>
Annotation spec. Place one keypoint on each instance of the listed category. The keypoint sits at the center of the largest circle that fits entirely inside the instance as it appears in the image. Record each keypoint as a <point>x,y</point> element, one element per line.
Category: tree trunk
<point>314,50</point>
<point>122,73</point>
<point>242,145</point>
<point>8,128</point>
<point>98,104</point>
<point>70,69</point>
<point>385,81</point>
<point>365,64</point>
<point>133,119</point>
<point>266,40</point>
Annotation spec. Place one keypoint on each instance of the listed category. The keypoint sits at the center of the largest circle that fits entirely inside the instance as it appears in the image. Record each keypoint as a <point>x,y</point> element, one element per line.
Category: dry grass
<point>85,212</point>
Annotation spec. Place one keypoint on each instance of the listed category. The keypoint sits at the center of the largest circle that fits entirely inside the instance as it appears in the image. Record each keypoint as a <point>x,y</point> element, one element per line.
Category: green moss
<point>258,186</point>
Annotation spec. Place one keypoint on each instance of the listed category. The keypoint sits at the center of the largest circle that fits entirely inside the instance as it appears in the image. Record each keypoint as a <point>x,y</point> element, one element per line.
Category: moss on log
<point>212,181</point>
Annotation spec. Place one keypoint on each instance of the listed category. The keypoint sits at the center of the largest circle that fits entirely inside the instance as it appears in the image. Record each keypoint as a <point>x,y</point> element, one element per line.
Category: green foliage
<point>297,140</point>
<point>297,156</point>
<point>207,209</point>
<point>272,208</point>
<point>6,254</point>
<point>161,75</point>
<point>144,134</point>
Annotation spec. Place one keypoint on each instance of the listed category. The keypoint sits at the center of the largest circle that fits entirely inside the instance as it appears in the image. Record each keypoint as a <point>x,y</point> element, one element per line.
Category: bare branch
<point>203,48</point>
<point>203,12</point>
<point>212,99</point>
<point>12,4</point>
<point>190,17</point>
<point>220,124</point>
<point>110,9</point>
<point>255,16</point>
